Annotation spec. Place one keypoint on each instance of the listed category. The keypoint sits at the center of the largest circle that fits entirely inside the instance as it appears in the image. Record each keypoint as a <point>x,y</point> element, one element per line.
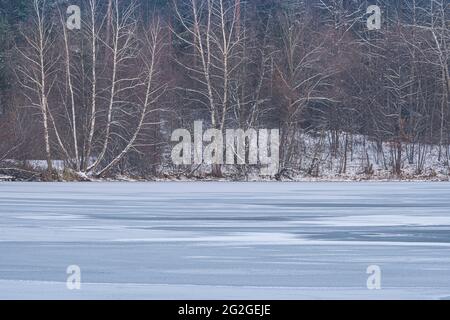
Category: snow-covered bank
<point>355,158</point>
<point>225,240</point>
<point>348,158</point>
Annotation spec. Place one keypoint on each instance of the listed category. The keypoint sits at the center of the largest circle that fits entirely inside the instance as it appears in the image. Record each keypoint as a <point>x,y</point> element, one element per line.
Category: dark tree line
<point>104,99</point>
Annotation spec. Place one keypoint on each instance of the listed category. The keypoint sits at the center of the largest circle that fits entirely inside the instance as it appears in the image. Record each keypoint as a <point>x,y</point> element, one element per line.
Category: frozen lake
<point>225,240</point>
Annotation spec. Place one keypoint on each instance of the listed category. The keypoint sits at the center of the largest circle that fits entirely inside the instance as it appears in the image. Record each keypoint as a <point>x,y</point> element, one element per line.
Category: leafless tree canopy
<point>104,99</point>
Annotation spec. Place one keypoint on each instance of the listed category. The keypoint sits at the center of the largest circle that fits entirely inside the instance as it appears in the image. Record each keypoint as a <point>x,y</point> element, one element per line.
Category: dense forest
<point>103,99</point>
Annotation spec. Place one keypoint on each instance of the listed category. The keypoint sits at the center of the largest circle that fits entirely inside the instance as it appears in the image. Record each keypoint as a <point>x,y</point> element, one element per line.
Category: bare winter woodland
<point>102,101</point>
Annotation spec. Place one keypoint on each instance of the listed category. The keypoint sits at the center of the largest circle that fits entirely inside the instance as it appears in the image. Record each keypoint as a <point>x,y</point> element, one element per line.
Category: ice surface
<point>225,240</point>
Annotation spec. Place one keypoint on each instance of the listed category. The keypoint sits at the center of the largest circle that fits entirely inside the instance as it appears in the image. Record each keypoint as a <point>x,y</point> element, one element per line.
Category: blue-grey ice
<point>225,240</point>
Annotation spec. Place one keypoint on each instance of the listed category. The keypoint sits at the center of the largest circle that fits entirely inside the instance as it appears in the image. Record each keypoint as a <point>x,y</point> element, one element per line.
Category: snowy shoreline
<point>4,179</point>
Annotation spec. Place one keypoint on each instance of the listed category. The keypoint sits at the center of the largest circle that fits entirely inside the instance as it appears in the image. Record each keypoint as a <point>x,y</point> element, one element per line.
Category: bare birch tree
<point>154,89</point>
<point>212,30</point>
<point>123,49</point>
<point>36,72</point>
<point>94,36</point>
